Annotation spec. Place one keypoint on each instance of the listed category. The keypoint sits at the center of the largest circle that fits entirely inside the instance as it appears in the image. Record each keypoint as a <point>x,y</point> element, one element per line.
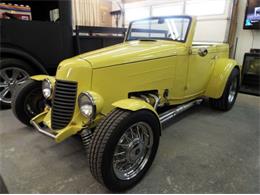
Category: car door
<point>200,67</point>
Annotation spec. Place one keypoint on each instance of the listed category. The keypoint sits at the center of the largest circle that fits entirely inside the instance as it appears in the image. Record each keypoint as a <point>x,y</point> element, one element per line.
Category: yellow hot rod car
<point>117,98</point>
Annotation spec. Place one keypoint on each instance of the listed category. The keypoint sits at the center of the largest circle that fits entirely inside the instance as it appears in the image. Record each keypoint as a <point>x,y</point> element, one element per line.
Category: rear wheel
<point>123,148</point>
<point>229,96</point>
<point>28,101</point>
<point>12,72</point>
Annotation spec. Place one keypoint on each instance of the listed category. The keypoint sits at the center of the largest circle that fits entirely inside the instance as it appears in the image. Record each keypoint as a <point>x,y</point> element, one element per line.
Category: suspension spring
<point>86,136</point>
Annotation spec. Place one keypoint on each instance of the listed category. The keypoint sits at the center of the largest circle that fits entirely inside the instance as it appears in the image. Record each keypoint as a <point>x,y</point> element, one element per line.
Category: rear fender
<point>220,75</point>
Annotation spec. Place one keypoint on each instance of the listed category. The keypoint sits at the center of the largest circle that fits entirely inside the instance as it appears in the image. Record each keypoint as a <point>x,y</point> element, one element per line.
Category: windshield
<point>164,28</point>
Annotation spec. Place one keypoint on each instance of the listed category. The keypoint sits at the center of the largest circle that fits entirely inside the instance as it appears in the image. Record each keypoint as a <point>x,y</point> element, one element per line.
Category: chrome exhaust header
<point>178,110</point>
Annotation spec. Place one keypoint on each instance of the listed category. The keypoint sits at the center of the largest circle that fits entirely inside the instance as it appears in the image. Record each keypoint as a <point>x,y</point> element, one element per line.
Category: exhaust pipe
<point>178,110</point>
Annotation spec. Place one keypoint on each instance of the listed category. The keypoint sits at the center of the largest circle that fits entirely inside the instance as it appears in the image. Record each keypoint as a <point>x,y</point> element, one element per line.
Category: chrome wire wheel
<point>9,78</point>
<point>232,90</point>
<point>132,151</point>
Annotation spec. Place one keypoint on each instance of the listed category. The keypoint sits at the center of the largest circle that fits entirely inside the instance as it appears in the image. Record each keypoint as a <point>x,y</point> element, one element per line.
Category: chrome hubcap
<point>232,91</point>
<point>9,78</point>
<point>133,151</point>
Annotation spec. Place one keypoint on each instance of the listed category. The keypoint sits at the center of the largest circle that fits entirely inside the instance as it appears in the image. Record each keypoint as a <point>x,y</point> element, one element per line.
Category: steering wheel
<point>169,35</point>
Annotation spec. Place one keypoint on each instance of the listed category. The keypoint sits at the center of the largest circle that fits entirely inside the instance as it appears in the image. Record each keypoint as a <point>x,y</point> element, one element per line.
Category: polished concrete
<point>201,151</point>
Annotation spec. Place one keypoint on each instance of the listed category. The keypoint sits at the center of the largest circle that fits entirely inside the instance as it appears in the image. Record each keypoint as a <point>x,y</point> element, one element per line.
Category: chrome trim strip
<point>178,110</point>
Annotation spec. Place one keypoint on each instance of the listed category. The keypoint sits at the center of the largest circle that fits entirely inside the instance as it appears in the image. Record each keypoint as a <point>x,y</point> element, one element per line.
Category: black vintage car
<point>37,46</point>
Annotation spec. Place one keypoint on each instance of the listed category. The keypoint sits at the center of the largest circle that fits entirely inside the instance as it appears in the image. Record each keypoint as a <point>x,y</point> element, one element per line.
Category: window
<point>170,28</point>
<point>168,10</point>
<point>205,7</point>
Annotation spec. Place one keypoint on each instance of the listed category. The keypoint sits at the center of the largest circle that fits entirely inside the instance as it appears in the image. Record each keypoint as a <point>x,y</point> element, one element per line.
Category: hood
<point>132,51</point>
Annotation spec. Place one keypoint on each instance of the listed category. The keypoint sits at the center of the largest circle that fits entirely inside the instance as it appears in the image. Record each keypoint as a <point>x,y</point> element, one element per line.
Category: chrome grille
<point>63,104</point>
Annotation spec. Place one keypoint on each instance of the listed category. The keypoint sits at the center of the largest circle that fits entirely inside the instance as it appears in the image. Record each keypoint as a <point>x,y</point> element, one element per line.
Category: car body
<point>137,75</point>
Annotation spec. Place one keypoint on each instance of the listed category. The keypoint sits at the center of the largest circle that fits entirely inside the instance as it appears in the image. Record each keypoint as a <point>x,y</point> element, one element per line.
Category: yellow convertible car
<point>118,97</point>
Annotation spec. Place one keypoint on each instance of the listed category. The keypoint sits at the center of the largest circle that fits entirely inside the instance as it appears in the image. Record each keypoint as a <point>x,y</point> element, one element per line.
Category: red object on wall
<point>19,12</point>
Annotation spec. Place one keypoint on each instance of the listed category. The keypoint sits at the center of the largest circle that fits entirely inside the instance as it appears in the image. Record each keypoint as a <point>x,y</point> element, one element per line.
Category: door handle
<point>203,52</point>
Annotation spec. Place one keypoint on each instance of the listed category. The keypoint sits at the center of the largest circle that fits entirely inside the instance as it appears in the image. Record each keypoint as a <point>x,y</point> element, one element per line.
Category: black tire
<point>12,63</point>
<point>105,139</point>
<point>28,101</point>
<point>3,188</point>
<point>223,103</point>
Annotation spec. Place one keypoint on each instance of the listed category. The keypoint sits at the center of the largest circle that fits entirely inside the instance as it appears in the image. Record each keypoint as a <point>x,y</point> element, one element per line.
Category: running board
<point>178,110</point>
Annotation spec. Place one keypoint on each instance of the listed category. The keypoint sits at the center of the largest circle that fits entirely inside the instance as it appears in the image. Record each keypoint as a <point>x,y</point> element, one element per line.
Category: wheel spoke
<point>120,153</point>
<point>145,134</point>
<point>141,135</point>
<point>127,138</point>
<point>4,76</point>
<point>120,160</point>
<point>138,131</point>
<point>4,92</point>
<point>3,85</point>
<point>15,74</point>
<point>123,145</point>
<point>22,80</point>
<point>132,133</point>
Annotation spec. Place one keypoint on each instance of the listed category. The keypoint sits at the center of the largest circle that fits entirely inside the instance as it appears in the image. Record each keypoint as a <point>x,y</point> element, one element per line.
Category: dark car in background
<point>37,45</point>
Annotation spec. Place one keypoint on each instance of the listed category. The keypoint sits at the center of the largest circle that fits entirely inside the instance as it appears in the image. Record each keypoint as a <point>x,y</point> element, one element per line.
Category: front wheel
<point>123,148</point>
<point>28,101</point>
<point>227,100</point>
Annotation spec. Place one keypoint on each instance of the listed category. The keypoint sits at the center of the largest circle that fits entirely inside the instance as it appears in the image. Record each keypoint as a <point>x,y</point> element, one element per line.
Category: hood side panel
<point>114,83</point>
<point>133,51</point>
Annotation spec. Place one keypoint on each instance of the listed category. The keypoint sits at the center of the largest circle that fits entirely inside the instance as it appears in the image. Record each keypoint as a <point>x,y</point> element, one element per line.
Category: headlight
<point>46,88</point>
<point>87,105</point>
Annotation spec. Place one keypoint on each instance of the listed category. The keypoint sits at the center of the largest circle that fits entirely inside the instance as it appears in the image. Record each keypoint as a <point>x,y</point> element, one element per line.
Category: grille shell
<point>63,103</point>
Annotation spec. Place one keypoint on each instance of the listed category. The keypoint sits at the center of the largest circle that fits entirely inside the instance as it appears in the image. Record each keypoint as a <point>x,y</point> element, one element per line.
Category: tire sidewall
<point>109,177</point>
<point>234,74</point>
<point>19,100</point>
<point>13,62</point>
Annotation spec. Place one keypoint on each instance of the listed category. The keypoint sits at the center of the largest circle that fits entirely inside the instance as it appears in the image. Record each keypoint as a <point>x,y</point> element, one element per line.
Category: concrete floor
<point>202,151</point>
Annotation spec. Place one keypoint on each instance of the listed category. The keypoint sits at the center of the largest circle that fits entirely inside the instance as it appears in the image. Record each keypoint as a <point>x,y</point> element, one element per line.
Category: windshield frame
<point>158,18</point>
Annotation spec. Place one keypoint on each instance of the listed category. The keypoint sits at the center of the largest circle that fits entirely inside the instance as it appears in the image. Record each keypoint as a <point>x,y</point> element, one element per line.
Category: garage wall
<point>92,13</point>
<point>105,9</point>
<point>247,39</point>
<point>217,28</point>
<point>210,27</point>
<point>115,7</point>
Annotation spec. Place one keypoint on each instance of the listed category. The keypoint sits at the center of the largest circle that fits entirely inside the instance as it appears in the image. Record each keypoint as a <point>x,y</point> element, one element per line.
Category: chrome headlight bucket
<point>90,104</point>
<point>87,105</point>
<point>46,88</point>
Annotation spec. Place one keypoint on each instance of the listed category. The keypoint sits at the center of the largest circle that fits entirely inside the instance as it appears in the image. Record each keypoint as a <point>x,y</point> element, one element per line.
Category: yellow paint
<point>219,77</point>
<point>134,105</point>
<point>110,74</point>
<point>43,77</point>
<point>61,134</point>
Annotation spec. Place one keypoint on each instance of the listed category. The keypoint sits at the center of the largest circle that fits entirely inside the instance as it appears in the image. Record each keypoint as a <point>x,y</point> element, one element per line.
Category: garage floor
<point>202,151</point>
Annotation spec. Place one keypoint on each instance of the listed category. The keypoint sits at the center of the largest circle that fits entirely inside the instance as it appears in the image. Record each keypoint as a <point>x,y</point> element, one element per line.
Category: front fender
<point>135,105</point>
<point>219,77</point>
<point>43,77</point>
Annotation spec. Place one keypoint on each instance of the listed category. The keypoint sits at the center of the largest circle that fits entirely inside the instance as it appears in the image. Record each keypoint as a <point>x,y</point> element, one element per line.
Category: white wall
<point>247,39</point>
<point>210,28</point>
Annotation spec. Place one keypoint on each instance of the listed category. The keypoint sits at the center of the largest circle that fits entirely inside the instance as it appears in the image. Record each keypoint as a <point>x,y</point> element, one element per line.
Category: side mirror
<point>203,52</point>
